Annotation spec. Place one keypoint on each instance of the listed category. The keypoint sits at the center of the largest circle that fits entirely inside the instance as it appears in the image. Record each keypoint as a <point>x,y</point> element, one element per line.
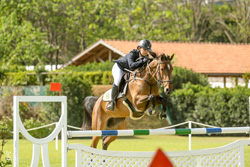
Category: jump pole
<point>226,130</point>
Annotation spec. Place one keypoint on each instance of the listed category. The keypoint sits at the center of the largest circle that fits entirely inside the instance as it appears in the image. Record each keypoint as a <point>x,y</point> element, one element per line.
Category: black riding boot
<point>114,93</point>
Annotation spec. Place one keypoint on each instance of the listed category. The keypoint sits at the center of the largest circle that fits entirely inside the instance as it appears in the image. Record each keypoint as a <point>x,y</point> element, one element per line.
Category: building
<point>222,63</point>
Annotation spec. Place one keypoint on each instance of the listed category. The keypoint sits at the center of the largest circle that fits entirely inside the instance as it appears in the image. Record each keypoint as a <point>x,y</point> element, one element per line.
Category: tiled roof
<point>200,57</point>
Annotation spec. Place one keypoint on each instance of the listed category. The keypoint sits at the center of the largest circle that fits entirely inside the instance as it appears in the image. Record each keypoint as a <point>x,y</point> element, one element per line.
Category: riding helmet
<point>145,44</point>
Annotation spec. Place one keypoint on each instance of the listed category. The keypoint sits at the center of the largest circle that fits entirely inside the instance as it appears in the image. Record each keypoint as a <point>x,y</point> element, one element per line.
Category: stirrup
<point>111,106</point>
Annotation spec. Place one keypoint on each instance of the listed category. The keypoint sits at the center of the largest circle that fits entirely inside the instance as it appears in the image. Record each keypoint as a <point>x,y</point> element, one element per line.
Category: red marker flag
<point>55,87</point>
<point>160,160</point>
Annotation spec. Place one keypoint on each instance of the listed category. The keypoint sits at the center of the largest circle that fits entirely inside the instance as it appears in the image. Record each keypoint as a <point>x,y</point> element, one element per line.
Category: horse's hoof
<point>149,112</point>
<point>161,117</point>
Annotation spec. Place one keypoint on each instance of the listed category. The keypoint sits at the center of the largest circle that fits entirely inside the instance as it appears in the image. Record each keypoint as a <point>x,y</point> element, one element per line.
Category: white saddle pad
<point>107,95</point>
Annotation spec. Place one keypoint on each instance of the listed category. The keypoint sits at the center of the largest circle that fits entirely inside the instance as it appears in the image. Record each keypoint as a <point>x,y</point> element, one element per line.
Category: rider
<point>136,58</point>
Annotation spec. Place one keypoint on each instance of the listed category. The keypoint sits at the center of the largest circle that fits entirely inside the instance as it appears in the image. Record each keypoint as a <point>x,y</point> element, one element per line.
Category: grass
<point>141,143</point>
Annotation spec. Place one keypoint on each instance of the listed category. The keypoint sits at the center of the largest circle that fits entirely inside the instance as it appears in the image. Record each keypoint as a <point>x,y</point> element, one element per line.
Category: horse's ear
<point>162,57</point>
<point>171,57</point>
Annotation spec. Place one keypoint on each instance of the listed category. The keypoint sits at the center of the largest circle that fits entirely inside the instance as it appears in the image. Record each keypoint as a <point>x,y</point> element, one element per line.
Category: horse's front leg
<point>163,102</point>
<point>140,101</point>
<point>156,101</point>
<point>153,100</point>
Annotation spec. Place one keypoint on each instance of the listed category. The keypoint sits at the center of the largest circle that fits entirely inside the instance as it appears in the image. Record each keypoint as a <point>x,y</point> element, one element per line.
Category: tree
<point>53,31</point>
<point>21,43</point>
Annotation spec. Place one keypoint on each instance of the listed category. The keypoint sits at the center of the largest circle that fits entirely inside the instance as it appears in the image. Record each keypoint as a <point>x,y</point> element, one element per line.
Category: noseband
<point>159,81</point>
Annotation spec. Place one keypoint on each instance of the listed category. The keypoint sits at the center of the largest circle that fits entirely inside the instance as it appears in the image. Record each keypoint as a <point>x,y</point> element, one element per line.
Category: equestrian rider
<point>136,58</point>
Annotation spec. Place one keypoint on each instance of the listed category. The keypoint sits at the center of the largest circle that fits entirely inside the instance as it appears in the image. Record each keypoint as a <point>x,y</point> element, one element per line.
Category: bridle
<point>159,81</point>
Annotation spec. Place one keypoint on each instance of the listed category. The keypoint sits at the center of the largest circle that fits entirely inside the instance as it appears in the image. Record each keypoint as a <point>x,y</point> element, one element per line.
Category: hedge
<point>31,78</point>
<point>179,76</point>
<point>224,107</point>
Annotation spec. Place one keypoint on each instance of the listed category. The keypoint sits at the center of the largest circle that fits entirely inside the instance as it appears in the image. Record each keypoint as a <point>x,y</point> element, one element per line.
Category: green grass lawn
<point>141,143</point>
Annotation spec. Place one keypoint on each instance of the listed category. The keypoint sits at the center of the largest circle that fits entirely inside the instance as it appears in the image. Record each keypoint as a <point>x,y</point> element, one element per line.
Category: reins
<point>158,81</point>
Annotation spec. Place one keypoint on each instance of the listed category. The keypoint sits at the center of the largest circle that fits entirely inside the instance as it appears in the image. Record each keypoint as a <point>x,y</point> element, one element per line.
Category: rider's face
<point>143,51</point>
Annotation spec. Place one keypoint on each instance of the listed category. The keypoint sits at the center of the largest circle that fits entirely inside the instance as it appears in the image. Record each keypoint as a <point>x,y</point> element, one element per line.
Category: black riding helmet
<point>145,44</point>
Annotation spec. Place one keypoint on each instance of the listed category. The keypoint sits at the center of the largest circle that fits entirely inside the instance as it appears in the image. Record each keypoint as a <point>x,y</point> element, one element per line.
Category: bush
<point>15,68</point>
<point>4,134</point>
<point>22,78</point>
<point>225,107</point>
<point>2,75</point>
<point>94,66</point>
<point>107,77</point>
<point>6,101</point>
<point>93,77</point>
<point>182,102</point>
<point>182,76</point>
<point>39,133</point>
<point>76,89</point>
<point>15,79</point>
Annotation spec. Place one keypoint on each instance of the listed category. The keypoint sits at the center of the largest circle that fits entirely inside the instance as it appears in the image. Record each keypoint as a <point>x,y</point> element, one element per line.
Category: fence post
<point>189,135</point>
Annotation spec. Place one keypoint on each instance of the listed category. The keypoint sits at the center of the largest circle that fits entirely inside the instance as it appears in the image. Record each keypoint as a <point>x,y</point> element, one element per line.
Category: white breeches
<point>117,74</point>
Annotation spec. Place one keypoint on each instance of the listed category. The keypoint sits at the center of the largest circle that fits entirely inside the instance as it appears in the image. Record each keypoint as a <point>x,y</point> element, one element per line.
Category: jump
<point>140,93</point>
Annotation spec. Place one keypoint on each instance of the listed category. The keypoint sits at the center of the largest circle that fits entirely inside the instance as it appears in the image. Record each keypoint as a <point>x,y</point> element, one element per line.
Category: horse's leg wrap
<point>151,98</point>
<point>162,114</point>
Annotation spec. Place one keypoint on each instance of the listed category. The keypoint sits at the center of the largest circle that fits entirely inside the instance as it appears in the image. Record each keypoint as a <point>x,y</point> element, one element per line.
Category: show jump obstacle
<point>37,143</point>
<point>229,155</point>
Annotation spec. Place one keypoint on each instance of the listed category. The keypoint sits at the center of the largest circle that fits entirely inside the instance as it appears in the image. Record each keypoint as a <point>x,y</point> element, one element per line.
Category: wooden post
<point>224,81</point>
<point>110,56</point>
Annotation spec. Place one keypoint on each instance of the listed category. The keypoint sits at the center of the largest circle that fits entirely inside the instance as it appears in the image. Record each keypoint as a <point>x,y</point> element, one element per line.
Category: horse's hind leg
<point>108,139</point>
<point>97,126</point>
<point>99,122</point>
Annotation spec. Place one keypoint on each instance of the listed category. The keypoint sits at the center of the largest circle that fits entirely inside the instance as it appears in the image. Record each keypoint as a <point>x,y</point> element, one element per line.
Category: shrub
<point>225,107</point>
<point>2,75</point>
<point>4,134</point>
<point>246,78</point>
<point>6,100</point>
<point>182,76</point>
<point>107,78</point>
<point>39,133</point>
<point>93,77</point>
<point>76,89</point>
<point>94,66</point>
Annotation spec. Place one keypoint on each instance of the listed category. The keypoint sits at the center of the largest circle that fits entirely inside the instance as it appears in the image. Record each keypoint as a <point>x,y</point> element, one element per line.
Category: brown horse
<point>142,92</point>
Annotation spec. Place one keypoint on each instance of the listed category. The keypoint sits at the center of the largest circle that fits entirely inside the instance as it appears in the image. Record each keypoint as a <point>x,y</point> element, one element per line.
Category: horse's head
<point>164,70</point>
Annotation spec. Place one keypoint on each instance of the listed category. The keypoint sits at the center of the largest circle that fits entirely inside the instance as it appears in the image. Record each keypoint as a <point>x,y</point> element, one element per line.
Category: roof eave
<point>223,74</point>
<point>74,59</point>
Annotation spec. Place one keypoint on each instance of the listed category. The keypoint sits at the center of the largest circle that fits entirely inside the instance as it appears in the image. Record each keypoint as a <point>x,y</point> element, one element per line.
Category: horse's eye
<point>162,69</point>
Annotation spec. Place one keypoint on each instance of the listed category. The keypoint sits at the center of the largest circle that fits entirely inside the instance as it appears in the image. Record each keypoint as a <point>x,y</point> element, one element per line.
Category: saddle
<point>135,114</point>
<point>122,87</point>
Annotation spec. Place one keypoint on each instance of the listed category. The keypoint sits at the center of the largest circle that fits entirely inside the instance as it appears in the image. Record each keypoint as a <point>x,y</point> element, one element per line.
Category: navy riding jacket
<point>129,61</point>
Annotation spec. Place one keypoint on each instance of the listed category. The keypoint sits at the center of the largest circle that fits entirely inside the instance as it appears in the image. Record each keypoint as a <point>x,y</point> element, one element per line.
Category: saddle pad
<point>107,96</point>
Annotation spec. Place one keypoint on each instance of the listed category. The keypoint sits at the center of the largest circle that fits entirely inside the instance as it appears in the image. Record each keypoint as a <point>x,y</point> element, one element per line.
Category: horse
<point>142,92</point>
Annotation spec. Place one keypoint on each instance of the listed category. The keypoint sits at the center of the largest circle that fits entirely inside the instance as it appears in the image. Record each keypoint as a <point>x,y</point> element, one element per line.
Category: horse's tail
<point>89,103</point>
